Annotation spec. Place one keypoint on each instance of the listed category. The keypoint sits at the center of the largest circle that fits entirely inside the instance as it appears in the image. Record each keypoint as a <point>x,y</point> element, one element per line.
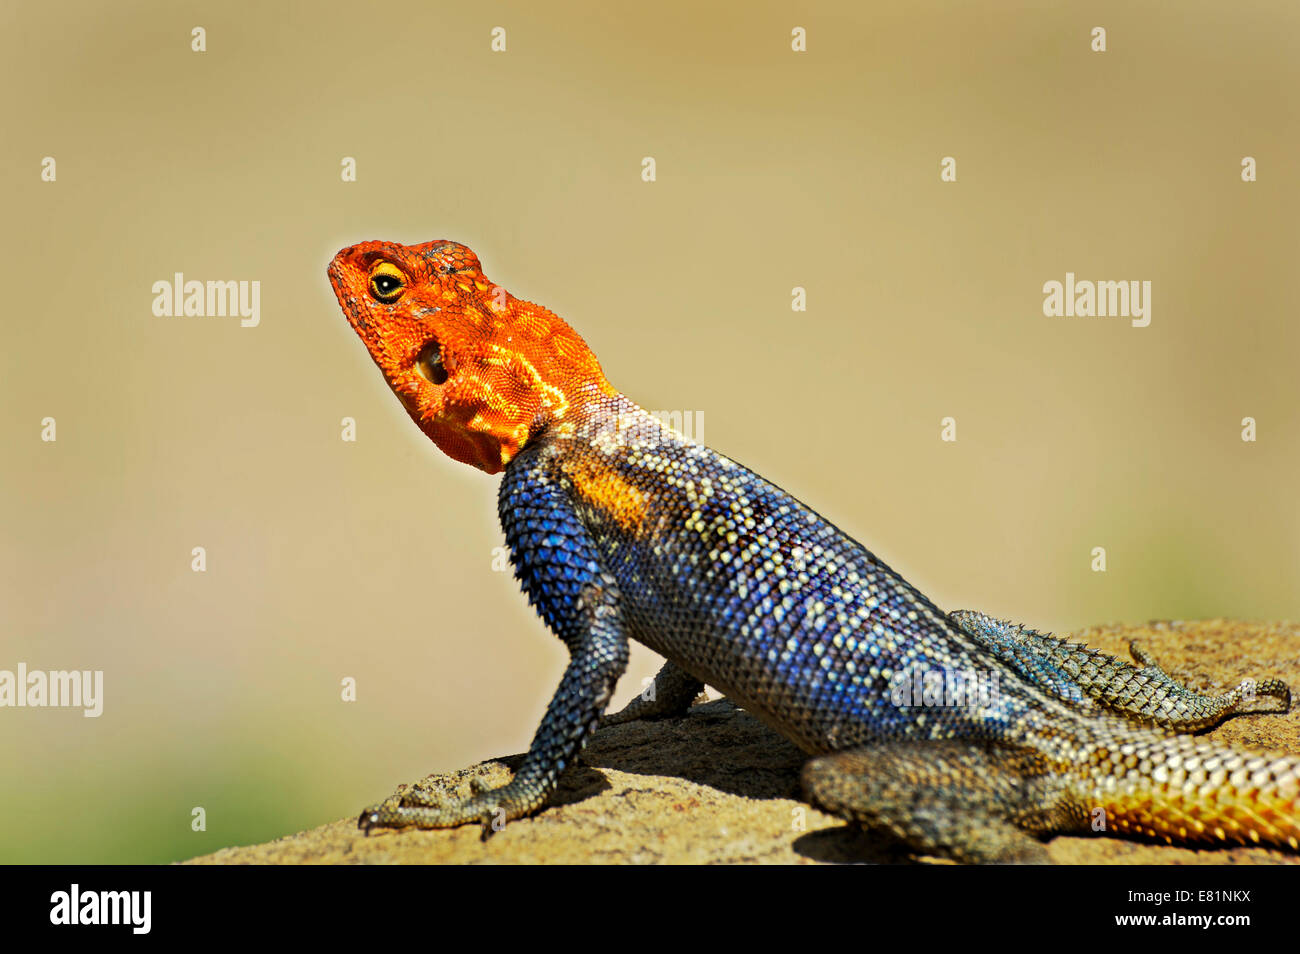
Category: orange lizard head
<point>479,370</point>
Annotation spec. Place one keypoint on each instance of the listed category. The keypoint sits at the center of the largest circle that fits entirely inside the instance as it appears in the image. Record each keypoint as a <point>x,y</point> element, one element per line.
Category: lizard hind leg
<point>1093,678</point>
<point>1248,691</point>
<point>975,802</point>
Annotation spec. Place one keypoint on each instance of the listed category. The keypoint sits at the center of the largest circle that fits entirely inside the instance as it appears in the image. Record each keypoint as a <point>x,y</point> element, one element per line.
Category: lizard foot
<point>415,807</point>
<point>1249,691</point>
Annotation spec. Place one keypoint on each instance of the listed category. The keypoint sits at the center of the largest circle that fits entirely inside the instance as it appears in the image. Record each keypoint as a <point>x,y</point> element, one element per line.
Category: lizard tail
<point>1184,789</point>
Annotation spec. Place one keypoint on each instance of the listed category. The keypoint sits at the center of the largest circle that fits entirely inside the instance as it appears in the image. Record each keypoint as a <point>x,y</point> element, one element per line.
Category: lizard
<point>620,528</point>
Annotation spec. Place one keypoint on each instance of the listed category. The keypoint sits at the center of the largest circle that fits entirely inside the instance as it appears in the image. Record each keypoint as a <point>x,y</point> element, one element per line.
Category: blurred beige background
<point>373,559</point>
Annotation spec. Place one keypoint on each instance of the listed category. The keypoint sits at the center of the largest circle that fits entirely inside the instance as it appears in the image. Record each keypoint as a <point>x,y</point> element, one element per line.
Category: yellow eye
<point>387,282</point>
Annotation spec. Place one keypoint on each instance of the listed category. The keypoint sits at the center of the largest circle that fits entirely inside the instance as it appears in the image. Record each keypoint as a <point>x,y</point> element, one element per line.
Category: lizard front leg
<point>558,563</point>
<point>598,658</point>
<point>671,694</point>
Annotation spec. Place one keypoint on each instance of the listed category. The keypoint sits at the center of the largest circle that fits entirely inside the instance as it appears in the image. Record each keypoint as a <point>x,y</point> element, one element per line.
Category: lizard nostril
<point>429,364</point>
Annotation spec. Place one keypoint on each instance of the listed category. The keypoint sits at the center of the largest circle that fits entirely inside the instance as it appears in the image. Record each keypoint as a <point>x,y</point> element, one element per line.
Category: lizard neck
<point>601,457</point>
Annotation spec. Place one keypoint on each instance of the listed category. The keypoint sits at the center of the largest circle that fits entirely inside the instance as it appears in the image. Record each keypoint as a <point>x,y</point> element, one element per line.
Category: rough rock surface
<point>718,786</point>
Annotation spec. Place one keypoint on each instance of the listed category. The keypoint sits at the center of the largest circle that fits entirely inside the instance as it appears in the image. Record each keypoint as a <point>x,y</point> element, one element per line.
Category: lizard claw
<point>369,818</point>
<point>388,813</point>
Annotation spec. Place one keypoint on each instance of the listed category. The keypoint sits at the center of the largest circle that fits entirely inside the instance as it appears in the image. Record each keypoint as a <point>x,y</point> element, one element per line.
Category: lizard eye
<point>429,364</point>
<point>387,282</point>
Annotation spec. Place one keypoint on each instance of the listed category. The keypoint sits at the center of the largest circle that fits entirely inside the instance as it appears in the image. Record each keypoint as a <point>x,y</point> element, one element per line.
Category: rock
<point>719,786</point>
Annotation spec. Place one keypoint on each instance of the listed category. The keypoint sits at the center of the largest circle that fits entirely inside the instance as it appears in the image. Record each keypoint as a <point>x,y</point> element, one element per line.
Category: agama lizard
<point>620,528</point>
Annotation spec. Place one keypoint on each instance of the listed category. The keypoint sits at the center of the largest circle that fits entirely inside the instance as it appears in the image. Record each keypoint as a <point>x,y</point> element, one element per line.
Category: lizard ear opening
<point>428,364</point>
